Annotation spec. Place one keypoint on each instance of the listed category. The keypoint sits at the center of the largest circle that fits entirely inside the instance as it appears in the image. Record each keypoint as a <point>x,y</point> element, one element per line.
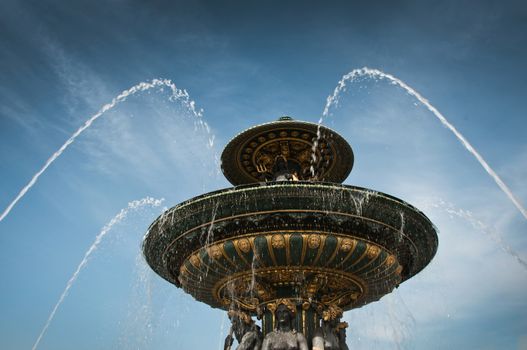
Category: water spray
<point>333,100</point>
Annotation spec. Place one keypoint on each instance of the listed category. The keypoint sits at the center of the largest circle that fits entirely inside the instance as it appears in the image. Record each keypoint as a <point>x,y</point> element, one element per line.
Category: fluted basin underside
<point>314,242</point>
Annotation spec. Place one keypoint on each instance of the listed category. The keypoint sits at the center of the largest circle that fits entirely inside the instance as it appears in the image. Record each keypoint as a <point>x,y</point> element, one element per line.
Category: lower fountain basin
<point>314,242</point>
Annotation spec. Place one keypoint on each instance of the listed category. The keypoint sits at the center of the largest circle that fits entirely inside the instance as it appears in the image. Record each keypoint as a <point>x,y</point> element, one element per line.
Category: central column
<point>306,321</point>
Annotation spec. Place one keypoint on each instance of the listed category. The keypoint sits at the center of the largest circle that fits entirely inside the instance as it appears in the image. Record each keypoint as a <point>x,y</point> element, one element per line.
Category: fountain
<point>289,243</point>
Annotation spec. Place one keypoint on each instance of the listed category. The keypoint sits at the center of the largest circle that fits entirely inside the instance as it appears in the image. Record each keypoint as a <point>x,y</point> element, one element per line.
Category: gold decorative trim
<point>282,301</point>
<point>239,250</point>
<point>325,212</point>
<point>244,245</point>
<point>313,241</point>
<point>341,285</point>
<point>364,254</point>
<point>266,276</point>
<point>278,241</point>
<point>320,249</point>
<point>214,251</point>
<point>335,252</point>
<point>195,260</point>
<point>390,260</point>
<point>269,241</point>
<point>348,244</point>
<point>304,250</point>
<point>372,251</point>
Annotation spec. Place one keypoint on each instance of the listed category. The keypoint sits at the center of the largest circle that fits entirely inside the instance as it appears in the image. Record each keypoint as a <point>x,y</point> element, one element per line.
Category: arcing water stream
<point>116,219</point>
<point>466,215</point>
<point>176,94</point>
<point>333,100</point>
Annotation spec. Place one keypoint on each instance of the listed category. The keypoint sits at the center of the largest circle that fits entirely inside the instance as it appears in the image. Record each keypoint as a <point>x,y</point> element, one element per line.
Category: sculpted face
<point>283,316</point>
<point>244,245</point>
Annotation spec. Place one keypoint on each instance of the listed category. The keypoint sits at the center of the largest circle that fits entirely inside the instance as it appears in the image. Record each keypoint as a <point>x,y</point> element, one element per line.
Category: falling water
<point>252,285</point>
<point>116,219</point>
<point>390,324</point>
<point>140,310</point>
<point>176,94</point>
<point>401,230</point>
<point>333,100</point>
<point>452,210</point>
<point>222,328</point>
<point>209,239</point>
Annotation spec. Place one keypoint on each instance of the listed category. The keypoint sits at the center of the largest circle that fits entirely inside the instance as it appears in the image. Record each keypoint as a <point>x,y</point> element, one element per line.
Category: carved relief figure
<point>332,333</point>
<point>246,332</point>
<point>284,336</point>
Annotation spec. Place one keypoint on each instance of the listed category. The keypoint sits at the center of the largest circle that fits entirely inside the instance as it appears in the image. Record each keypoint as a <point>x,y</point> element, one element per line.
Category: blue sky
<point>244,63</point>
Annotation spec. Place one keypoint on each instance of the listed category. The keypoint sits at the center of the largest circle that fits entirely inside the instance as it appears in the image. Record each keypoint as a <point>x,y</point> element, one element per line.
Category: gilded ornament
<point>244,245</point>
<point>194,260</point>
<point>347,244</point>
<point>313,241</point>
<point>232,313</point>
<point>287,302</point>
<point>372,251</point>
<point>278,241</point>
<point>331,312</point>
<point>390,260</point>
<point>215,252</point>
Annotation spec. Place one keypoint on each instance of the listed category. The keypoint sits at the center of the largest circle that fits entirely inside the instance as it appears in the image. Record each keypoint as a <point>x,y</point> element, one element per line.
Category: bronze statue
<point>284,336</point>
<point>332,334</point>
<point>247,333</point>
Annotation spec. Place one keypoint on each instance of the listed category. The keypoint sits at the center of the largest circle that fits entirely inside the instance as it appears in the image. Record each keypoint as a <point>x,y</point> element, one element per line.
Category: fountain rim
<point>306,184</point>
<point>258,185</point>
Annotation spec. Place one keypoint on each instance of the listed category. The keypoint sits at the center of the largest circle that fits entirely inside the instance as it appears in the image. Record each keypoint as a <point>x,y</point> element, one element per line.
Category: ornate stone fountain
<point>289,234</point>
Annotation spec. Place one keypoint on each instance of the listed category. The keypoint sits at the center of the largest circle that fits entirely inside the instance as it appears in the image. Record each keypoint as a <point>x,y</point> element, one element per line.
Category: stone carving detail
<point>390,260</point>
<point>348,244</point>
<point>314,241</point>
<point>247,333</point>
<point>284,336</point>
<point>244,245</point>
<point>331,335</point>
<point>194,260</point>
<point>278,241</point>
<point>215,251</point>
<point>372,251</point>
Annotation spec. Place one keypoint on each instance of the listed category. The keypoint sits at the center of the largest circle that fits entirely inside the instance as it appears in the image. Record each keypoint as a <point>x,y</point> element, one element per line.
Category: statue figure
<point>284,337</point>
<point>285,170</point>
<point>247,333</point>
<point>332,333</point>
